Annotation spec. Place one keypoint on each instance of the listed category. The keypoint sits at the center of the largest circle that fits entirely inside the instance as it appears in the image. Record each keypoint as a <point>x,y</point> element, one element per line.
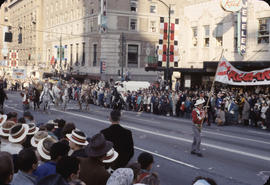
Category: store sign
<point>19,74</point>
<point>243,28</point>
<point>231,5</point>
<point>228,74</point>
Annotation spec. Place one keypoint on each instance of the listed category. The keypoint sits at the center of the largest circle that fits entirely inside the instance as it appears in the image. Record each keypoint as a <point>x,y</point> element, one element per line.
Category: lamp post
<point>166,72</point>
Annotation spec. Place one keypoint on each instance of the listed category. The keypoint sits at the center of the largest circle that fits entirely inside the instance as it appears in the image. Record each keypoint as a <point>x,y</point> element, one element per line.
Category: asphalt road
<point>232,155</point>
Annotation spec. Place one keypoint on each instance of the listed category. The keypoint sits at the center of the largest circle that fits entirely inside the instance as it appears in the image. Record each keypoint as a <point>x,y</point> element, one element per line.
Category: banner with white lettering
<point>228,74</point>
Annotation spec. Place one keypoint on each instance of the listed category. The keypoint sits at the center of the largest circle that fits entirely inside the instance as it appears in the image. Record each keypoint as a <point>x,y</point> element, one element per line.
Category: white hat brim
<point>115,155</point>
<point>69,136</point>
<point>33,143</point>
<point>4,119</point>
<point>33,133</point>
<point>40,151</point>
<point>19,139</point>
<point>2,133</point>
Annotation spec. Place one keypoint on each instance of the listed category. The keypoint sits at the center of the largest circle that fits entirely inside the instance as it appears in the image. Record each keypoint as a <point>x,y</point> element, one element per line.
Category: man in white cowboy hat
<point>77,143</point>
<point>198,115</point>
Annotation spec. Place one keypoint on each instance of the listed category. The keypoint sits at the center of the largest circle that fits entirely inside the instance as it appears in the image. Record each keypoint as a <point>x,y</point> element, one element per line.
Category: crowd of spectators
<point>226,105</point>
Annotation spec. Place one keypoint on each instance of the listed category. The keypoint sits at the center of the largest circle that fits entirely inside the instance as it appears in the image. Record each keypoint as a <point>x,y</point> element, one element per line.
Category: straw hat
<point>3,119</point>
<point>110,156</point>
<point>32,129</point>
<point>18,132</point>
<point>77,137</point>
<point>37,137</point>
<point>4,130</point>
<point>44,147</point>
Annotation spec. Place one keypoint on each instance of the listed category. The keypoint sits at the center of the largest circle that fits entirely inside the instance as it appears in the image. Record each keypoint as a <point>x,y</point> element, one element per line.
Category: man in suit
<point>121,139</point>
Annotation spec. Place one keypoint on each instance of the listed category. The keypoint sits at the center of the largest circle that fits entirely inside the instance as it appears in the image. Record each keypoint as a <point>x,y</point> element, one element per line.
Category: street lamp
<point>166,72</point>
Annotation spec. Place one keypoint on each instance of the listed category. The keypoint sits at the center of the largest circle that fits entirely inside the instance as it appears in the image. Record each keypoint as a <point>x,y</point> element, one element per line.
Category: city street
<point>232,155</point>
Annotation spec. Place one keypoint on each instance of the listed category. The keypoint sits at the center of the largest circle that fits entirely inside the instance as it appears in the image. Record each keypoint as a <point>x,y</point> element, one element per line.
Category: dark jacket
<point>54,179</point>
<point>122,143</point>
<point>79,153</point>
<point>93,172</point>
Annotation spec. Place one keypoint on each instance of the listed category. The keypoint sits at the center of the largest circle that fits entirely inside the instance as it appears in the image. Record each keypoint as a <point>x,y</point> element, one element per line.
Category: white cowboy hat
<point>3,119</point>
<point>32,129</point>
<point>45,152</point>
<point>110,156</point>
<point>76,138</point>
<point>17,133</point>
<point>199,102</point>
<point>37,137</point>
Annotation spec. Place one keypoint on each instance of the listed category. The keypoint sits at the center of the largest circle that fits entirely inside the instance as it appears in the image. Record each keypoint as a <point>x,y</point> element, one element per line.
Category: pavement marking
<point>170,159</point>
<point>236,137</point>
<point>144,120</point>
<point>13,108</point>
<point>256,132</point>
<point>176,138</point>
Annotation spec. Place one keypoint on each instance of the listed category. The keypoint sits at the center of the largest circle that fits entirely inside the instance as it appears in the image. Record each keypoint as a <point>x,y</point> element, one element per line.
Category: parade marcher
<point>198,115</point>
<point>25,100</point>
<point>121,138</point>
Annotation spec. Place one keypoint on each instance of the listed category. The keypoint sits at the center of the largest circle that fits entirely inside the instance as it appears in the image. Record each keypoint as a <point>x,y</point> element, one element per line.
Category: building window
<point>133,5</point>
<point>194,36</point>
<point>153,9</point>
<point>77,55</point>
<point>172,9</point>
<point>71,61</point>
<point>263,33</point>
<point>206,36</point>
<point>153,26</point>
<point>95,55</point>
<point>83,54</point>
<point>219,34</point>
<point>133,55</point>
<point>133,24</point>
<point>235,35</point>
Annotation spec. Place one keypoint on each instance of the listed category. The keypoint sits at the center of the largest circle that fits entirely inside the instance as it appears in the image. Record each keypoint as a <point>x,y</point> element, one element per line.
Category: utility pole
<point>60,54</point>
<point>123,56</point>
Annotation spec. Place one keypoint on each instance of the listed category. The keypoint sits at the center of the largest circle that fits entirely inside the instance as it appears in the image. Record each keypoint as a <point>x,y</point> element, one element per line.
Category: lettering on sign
<point>231,5</point>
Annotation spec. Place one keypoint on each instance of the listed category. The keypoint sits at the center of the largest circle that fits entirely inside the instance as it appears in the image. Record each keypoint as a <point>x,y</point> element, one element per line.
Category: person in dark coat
<point>121,139</point>
<point>3,97</point>
<point>92,169</point>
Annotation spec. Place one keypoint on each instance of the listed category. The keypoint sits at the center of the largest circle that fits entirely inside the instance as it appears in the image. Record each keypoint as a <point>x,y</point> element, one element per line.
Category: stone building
<point>120,33</point>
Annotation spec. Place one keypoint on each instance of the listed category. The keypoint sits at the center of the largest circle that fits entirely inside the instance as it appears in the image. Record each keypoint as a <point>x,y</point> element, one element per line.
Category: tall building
<point>26,25</point>
<point>4,28</point>
<point>119,35</point>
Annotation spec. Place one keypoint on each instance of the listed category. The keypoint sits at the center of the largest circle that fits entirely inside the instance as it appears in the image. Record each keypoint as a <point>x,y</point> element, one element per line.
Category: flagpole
<point>213,83</point>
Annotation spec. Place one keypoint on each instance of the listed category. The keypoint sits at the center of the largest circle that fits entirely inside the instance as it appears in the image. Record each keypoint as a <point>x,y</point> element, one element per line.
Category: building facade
<point>123,35</point>
<point>4,28</point>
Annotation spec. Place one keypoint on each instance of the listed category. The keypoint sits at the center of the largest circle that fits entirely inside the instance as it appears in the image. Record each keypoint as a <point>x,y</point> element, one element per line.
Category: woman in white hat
<point>198,115</point>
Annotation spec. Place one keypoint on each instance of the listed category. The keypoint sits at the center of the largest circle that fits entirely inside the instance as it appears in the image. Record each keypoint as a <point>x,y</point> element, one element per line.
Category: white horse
<point>46,98</point>
<point>65,98</point>
<point>57,95</point>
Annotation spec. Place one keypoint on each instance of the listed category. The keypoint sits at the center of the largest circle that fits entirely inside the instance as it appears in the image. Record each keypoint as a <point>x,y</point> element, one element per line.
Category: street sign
<point>231,5</point>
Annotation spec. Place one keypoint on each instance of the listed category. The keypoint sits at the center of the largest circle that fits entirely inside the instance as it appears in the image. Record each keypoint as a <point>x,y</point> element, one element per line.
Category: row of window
<point>218,32</point>
<point>132,54</point>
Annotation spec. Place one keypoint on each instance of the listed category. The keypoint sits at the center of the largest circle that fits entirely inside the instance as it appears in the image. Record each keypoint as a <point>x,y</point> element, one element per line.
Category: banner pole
<point>213,83</point>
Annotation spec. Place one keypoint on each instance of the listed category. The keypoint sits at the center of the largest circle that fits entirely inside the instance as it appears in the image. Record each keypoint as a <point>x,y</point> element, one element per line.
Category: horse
<point>46,98</point>
<point>85,99</point>
<point>57,94</point>
<point>65,98</point>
